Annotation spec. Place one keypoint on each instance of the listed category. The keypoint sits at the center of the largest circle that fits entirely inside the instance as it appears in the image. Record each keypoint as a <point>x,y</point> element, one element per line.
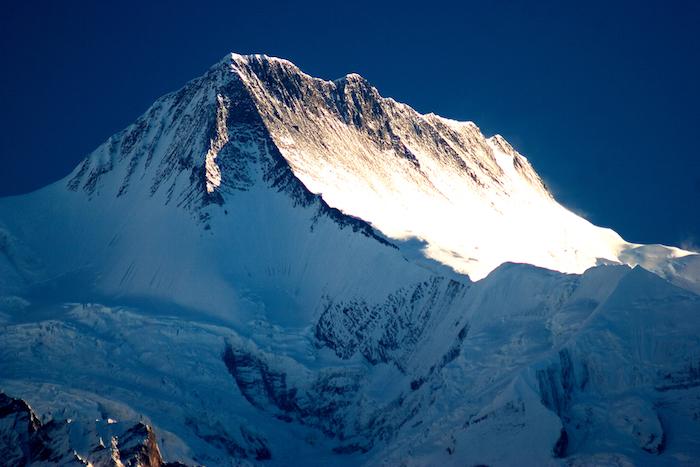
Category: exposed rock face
<point>321,402</point>
<point>387,332</point>
<point>24,440</point>
<point>138,447</point>
<point>19,441</point>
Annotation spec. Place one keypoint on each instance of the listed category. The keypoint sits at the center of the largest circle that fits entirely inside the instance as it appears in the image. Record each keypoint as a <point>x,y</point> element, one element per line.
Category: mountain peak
<point>414,177</point>
<point>285,259</point>
<point>259,58</point>
<point>351,78</point>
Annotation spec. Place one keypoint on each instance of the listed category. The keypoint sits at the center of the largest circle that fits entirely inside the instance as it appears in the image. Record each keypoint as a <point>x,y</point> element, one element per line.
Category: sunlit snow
<point>473,202</point>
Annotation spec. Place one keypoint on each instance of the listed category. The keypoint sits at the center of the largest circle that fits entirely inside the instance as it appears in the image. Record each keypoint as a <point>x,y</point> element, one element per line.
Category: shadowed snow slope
<point>271,268</point>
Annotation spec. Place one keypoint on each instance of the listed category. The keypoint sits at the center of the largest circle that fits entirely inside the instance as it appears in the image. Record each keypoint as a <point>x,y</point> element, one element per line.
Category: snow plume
<point>691,244</point>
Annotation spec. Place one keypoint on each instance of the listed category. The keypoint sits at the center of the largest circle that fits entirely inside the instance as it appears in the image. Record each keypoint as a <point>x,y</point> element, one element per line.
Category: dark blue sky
<point>602,97</point>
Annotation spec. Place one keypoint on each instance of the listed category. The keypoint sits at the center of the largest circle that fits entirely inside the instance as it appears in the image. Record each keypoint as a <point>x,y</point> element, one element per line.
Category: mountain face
<point>269,268</point>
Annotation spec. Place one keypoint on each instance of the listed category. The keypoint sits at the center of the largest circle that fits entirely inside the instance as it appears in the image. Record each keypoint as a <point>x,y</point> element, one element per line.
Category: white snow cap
<point>470,201</point>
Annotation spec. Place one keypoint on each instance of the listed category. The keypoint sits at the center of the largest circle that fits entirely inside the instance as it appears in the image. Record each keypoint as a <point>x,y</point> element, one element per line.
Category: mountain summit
<point>271,267</point>
<point>467,201</point>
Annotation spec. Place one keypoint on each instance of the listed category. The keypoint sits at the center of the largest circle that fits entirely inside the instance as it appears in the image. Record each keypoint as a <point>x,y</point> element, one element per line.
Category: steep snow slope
<point>146,217</point>
<point>474,201</point>
<point>533,367</point>
<point>622,376</point>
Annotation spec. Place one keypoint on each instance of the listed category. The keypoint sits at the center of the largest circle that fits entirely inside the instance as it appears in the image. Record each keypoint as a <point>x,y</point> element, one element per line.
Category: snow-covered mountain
<point>272,268</point>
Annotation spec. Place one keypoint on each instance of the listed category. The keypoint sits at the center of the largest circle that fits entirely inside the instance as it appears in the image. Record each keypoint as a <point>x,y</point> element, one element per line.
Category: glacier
<point>267,268</point>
